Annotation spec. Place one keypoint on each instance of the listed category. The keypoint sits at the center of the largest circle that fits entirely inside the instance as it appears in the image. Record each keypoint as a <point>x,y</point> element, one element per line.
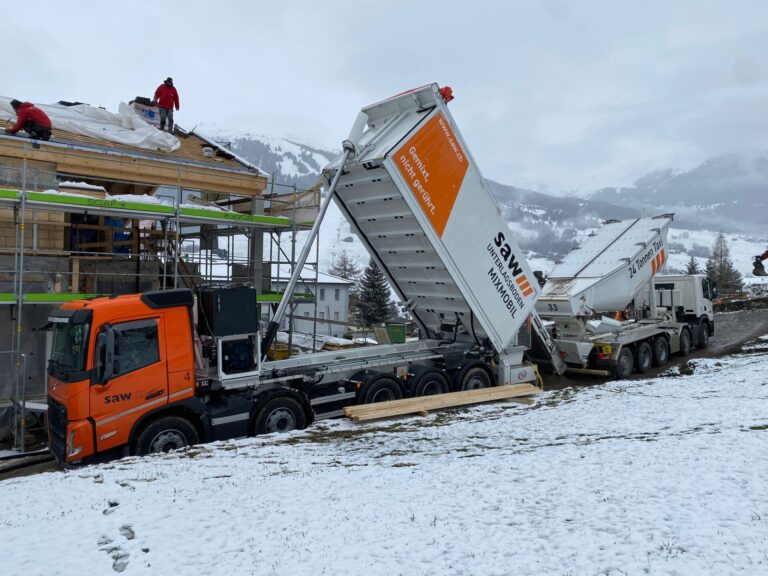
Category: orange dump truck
<point>156,371</point>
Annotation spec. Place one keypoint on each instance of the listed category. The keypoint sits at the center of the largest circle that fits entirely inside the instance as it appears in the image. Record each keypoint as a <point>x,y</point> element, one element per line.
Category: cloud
<point>553,94</point>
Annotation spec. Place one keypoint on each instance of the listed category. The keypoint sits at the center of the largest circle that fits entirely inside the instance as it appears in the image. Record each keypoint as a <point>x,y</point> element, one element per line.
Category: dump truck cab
<point>113,361</point>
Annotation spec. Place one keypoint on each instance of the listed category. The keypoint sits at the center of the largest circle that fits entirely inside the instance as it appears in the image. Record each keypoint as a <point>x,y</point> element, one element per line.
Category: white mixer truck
<point>610,311</point>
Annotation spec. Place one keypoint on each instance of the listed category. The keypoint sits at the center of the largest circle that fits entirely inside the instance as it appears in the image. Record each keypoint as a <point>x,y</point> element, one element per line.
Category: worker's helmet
<point>169,80</point>
<point>15,104</point>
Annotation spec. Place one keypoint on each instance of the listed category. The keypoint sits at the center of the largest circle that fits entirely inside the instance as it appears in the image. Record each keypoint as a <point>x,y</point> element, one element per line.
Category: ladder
<point>554,355</point>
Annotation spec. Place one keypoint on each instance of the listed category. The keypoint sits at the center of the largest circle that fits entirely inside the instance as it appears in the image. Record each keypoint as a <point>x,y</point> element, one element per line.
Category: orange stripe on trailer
<point>653,266</point>
<point>663,256</point>
<point>521,279</point>
<point>524,286</point>
<point>527,292</point>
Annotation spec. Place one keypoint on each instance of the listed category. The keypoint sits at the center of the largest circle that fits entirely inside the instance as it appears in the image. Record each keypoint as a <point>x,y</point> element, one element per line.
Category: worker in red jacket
<point>166,97</point>
<point>31,119</point>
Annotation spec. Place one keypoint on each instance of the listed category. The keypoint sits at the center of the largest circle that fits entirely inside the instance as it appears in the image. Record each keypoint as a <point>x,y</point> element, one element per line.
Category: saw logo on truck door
<point>433,164</point>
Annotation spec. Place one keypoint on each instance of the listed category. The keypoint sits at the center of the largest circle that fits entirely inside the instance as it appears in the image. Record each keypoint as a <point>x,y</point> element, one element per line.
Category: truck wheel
<point>660,351</point>
<point>644,357</point>
<point>281,414</point>
<point>166,434</point>
<point>431,383</point>
<point>703,334</point>
<point>474,379</point>
<point>382,390</point>
<point>685,342</point>
<point>625,363</point>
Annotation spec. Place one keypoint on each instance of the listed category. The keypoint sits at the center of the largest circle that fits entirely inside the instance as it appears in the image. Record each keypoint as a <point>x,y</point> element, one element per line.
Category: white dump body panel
<point>420,205</point>
<point>606,271</point>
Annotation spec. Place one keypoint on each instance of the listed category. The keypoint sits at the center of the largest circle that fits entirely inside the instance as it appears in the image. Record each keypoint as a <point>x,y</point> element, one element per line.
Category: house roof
<point>92,142</point>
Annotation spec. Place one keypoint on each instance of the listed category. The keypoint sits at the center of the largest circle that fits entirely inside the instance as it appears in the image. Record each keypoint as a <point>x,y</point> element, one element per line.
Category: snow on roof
<point>123,127</point>
<point>307,274</point>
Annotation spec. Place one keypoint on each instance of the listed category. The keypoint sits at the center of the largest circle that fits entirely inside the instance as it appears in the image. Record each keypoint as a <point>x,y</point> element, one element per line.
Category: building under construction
<point>111,205</point>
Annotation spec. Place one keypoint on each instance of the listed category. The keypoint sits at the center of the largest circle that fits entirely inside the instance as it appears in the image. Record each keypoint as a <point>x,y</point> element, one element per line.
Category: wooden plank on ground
<point>446,400</point>
<point>426,403</point>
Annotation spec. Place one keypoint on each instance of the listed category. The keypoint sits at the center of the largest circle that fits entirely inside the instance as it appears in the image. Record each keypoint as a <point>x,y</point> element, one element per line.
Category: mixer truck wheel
<point>703,334</point>
<point>685,342</point>
<point>644,357</point>
<point>660,351</point>
<point>474,379</point>
<point>625,363</point>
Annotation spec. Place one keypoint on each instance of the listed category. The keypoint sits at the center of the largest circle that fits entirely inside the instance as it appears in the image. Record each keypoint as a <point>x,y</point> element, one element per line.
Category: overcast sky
<point>554,95</point>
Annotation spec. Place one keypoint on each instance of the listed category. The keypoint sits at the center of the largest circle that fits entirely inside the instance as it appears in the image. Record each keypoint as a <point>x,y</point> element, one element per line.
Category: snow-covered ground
<point>662,476</point>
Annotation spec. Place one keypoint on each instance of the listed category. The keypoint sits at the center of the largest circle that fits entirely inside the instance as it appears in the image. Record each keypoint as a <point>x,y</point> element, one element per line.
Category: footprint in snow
<point>111,507</point>
<point>119,556</point>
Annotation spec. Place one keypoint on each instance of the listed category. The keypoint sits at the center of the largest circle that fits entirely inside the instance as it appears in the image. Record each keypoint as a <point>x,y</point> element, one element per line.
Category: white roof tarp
<point>123,127</point>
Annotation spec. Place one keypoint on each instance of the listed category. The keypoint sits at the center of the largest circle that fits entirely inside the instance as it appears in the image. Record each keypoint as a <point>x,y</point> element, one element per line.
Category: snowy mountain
<point>721,194</point>
<point>725,193</point>
<point>286,161</point>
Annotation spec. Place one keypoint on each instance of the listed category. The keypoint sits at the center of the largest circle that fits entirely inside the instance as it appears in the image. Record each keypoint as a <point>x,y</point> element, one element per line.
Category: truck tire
<point>381,390</point>
<point>625,363</point>
<point>703,334</point>
<point>430,383</point>
<point>644,354</point>
<point>474,379</point>
<point>281,414</point>
<point>660,351</point>
<point>166,434</point>
<point>685,342</point>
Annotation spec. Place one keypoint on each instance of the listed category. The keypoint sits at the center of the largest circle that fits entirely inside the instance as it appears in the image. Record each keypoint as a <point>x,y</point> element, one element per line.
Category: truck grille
<point>57,427</point>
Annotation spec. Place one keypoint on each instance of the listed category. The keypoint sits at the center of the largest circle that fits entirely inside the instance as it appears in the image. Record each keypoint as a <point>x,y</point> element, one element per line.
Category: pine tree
<point>720,268</point>
<point>375,306</point>
<point>345,267</point>
<point>692,267</point>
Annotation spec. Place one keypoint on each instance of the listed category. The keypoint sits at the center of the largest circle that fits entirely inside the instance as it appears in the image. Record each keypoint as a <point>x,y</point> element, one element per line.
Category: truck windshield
<point>68,352</point>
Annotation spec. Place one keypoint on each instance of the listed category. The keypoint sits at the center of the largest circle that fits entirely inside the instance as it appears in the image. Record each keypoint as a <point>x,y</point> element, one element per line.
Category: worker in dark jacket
<point>166,98</point>
<point>31,119</point>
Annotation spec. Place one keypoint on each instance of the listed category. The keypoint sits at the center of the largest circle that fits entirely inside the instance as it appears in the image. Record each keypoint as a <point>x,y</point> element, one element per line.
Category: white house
<point>330,306</point>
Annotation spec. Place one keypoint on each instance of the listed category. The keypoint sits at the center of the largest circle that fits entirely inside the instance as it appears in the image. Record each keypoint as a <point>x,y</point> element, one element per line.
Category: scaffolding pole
<point>19,385</point>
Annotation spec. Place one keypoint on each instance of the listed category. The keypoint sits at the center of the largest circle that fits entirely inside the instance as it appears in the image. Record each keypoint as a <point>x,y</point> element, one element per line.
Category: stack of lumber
<point>423,404</point>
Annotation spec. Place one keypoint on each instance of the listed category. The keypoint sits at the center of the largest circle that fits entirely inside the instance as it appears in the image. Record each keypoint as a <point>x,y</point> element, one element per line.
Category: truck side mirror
<point>104,360</point>
<point>109,357</point>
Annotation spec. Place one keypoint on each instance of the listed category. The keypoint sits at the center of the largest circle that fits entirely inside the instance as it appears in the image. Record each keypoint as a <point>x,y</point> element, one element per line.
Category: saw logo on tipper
<point>507,275</point>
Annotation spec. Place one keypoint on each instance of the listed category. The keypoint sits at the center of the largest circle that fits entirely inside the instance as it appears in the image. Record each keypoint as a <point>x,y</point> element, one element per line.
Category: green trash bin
<point>396,333</point>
